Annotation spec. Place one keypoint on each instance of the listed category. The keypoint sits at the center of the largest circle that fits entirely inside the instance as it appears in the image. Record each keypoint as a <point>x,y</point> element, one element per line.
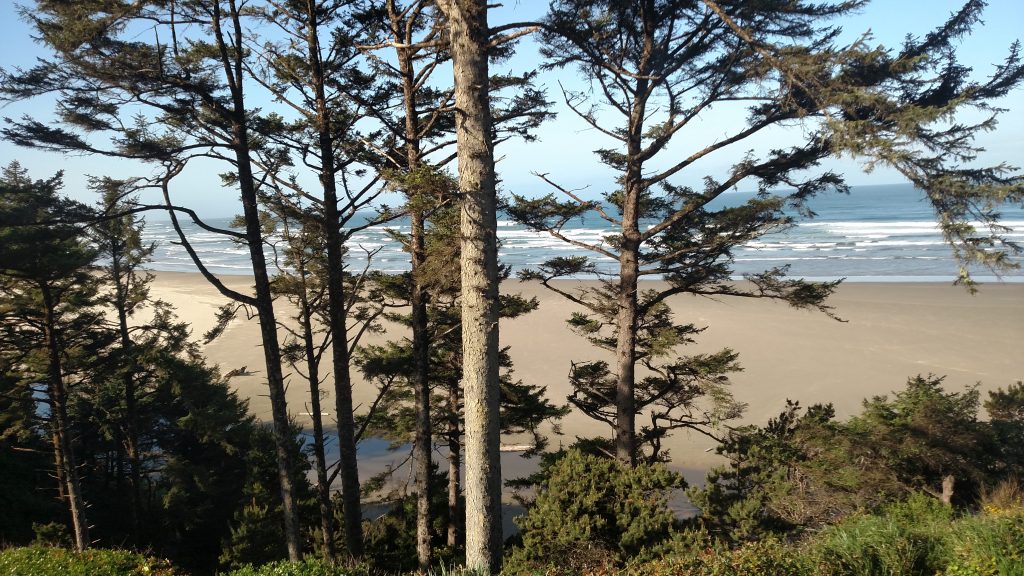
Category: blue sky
<point>564,150</point>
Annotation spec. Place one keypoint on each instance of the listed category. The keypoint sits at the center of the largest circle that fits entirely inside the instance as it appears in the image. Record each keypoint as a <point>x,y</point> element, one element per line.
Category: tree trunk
<point>353,515</point>
<point>625,354</point>
<point>479,260</point>
<point>626,327</point>
<point>421,386</point>
<point>231,56</point>
<point>323,488</point>
<point>626,323</point>
<point>948,485</point>
<point>63,453</point>
<point>455,540</point>
<point>131,443</point>
<point>272,357</point>
<point>418,301</point>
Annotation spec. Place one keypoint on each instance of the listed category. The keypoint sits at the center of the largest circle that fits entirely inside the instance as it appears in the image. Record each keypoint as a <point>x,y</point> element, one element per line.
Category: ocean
<point>884,233</point>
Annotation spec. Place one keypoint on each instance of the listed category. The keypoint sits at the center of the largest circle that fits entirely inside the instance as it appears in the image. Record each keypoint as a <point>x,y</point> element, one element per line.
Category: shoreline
<point>893,331</point>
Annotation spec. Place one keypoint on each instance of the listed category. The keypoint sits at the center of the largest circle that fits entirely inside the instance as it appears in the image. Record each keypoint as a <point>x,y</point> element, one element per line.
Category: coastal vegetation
<point>124,452</point>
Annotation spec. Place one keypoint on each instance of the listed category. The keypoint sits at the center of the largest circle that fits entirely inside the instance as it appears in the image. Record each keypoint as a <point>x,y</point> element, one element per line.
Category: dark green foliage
<point>592,511</point>
<point>924,434</point>
<point>391,534</point>
<point>1006,412</point>
<point>805,471</point>
<point>51,332</point>
<point>256,533</point>
<point>308,567</point>
<point>25,464</point>
<point>800,471</point>
<point>205,442</point>
<point>122,378</point>
<point>46,561</point>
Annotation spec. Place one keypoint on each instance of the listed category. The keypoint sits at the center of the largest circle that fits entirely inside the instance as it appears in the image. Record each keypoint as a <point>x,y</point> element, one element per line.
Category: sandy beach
<point>892,331</point>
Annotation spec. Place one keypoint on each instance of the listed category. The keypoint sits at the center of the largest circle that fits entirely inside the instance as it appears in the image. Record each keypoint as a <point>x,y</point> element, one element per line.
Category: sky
<point>564,149</point>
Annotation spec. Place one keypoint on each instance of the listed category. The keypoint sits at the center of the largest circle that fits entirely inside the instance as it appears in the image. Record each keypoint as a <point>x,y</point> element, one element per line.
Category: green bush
<point>45,561</point>
<point>919,537</point>
<point>593,513</point>
<point>768,557</point>
<point>308,567</point>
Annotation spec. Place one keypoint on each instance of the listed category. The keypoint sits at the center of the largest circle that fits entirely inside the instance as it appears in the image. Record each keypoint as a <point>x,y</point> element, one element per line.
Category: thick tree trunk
<point>625,353</point>
<point>629,262</point>
<point>479,260</point>
<point>626,326</point>
<point>63,453</point>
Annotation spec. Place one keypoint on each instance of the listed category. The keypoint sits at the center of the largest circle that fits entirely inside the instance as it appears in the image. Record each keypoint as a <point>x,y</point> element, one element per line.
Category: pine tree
<point>192,88</point>
<point>469,37</point>
<point>47,313</point>
<point>302,279</point>
<point>314,71</point>
<point>119,244</point>
<point>524,407</point>
<point>416,112</point>
<point>660,66</point>
<point>200,437</point>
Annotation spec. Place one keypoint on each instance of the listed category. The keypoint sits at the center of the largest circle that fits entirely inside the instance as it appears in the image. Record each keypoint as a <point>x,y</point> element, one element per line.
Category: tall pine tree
<point>660,66</point>
<point>48,315</point>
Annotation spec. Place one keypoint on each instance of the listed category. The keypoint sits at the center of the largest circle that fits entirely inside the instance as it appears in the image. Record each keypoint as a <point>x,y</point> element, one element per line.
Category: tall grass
<point>908,539</point>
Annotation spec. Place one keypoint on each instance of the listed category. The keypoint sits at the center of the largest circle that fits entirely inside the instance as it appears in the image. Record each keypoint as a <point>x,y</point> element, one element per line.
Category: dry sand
<point>892,331</point>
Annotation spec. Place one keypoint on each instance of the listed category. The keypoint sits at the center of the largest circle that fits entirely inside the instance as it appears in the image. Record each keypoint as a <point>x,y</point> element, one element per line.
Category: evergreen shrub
<point>593,513</point>
<point>48,561</point>
<point>308,567</point>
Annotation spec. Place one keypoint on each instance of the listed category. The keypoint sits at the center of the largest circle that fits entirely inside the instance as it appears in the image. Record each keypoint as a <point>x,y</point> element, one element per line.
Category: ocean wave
<point>869,240</point>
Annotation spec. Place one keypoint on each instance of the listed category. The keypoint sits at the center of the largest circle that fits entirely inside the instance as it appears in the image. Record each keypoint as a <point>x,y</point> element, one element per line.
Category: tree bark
<point>418,301</point>
<point>323,488</point>
<point>63,453</point>
<point>231,57</point>
<point>128,380</point>
<point>455,540</point>
<point>479,260</point>
<point>625,354</point>
<point>337,309</point>
<point>272,357</point>
<point>625,346</point>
